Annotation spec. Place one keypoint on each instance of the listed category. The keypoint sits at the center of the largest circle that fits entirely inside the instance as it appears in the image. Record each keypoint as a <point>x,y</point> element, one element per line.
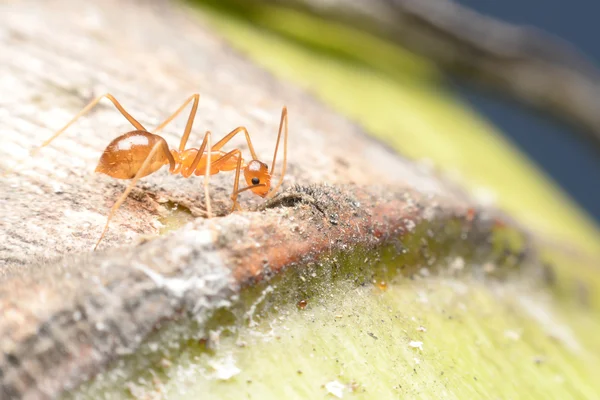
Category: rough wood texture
<point>63,321</point>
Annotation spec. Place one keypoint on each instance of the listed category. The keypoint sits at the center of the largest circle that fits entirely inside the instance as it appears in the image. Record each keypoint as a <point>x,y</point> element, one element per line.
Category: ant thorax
<point>218,163</point>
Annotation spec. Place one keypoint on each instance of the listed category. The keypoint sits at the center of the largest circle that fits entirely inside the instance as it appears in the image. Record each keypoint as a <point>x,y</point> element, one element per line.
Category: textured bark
<point>64,319</point>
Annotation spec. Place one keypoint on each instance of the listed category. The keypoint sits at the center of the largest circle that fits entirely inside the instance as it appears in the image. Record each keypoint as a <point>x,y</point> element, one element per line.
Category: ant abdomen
<point>124,156</point>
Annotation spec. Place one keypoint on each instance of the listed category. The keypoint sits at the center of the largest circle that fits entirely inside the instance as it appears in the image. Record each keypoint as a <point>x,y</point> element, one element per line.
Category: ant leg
<point>207,142</point>
<point>188,127</point>
<point>230,135</point>
<point>282,124</point>
<point>85,110</point>
<point>141,172</point>
<point>186,172</point>
<point>235,192</point>
<point>216,164</point>
<point>207,175</point>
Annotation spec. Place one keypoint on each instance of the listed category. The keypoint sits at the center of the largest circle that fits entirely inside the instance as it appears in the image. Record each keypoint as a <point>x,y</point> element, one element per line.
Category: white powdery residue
<point>551,325</point>
<point>199,238</point>
<point>212,303</point>
<point>57,188</point>
<point>266,336</point>
<point>191,240</point>
<point>335,388</point>
<point>485,196</point>
<point>512,335</point>
<point>416,344</point>
<point>250,313</point>
<point>459,287</point>
<point>176,286</point>
<point>429,214</point>
<point>84,216</point>
<point>225,368</point>
<point>458,264</point>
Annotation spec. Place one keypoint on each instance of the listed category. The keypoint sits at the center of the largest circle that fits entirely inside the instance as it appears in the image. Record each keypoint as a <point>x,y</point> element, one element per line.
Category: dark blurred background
<point>567,158</point>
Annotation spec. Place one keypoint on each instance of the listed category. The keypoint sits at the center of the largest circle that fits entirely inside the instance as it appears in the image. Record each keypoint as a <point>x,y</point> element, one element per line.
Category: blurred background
<point>570,161</point>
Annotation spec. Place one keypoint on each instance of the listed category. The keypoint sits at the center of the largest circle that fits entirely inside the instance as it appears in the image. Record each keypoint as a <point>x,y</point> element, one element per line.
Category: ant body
<point>139,153</point>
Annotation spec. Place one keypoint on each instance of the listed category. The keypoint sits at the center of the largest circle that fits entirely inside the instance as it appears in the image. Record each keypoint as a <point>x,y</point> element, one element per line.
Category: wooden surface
<point>64,319</point>
<point>59,54</point>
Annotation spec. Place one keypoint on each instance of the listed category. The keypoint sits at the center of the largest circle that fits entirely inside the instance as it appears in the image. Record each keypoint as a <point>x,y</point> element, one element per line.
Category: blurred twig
<point>529,66</point>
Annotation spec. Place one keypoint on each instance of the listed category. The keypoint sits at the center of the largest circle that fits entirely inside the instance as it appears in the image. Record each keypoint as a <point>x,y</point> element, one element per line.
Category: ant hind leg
<point>141,172</point>
<point>84,111</point>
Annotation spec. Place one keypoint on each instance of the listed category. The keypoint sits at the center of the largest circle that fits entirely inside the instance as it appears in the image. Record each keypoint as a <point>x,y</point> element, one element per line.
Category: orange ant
<point>139,153</point>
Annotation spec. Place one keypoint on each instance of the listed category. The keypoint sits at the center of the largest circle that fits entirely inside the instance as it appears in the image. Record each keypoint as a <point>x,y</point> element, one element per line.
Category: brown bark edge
<point>65,322</point>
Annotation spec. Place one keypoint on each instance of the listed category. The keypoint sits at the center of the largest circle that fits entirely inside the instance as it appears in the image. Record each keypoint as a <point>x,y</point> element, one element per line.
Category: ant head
<point>257,173</point>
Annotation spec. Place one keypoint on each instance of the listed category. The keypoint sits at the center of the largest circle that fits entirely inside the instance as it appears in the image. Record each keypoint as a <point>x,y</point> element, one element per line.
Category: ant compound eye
<point>255,181</point>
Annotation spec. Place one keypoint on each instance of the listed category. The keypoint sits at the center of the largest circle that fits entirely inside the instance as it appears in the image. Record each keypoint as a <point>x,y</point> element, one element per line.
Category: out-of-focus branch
<point>525,64</point>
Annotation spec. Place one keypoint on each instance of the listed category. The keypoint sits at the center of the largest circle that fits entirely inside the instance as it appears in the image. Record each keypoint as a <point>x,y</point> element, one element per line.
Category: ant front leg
<point>234,194</point>
<point>233,153</point>
<point>283,127</point>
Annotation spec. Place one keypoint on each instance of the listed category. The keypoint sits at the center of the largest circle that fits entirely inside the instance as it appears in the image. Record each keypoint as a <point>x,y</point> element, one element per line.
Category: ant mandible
<point>139,153</point>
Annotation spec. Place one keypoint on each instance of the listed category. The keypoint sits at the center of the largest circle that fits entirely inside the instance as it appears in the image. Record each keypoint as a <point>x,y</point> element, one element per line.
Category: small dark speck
<point>475,377</point>
<point>538,360</point>
<point>372,335</point>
